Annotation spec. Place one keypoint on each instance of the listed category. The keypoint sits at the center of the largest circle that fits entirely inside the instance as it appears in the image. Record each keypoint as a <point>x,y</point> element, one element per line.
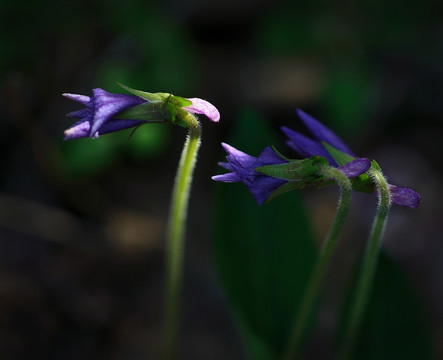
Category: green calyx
<point>160,107</point>
<point>304,173</point>
<point>296,170</point>
<point>163,97</point>
<point>299,173</point>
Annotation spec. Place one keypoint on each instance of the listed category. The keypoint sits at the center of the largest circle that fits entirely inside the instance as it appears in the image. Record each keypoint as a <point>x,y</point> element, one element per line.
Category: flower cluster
<point>105,112</point>
<point>325,143</point>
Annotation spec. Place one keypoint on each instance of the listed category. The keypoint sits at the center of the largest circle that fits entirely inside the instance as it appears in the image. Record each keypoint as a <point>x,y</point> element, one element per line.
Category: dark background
<point>82,222</point>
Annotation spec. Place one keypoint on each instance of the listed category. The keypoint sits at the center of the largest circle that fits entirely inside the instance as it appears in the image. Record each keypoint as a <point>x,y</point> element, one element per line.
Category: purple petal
<point>78,130</point>
<point>231,177</point>
<point>238,157</point>
<point>305,146</point>
<point>200,106</point>
<point>355,167</point>
<point>246,174</point>
<point>242,167</point>
<point>119,124</point>
<point>80,114</point>
<point>226,165</point>
<point>107,105</point>
<point>404,196</point>
<point>83,99</point>
<point>268,157</point>
<point>263,186</point>
<point>323,133</point>
<point>83,128</point>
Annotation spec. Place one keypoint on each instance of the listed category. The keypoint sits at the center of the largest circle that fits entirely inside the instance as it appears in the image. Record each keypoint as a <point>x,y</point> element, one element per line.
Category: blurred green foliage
<point>347,39</point>
<point>164,57</point>
<point>86,157</point>
<point>264,254</point>
<point>394,326</point>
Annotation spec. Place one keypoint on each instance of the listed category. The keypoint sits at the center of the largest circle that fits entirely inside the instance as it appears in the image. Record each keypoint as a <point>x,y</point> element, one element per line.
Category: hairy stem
<point>369,264</point>
<point>312,291</point>
<point>176,237</point>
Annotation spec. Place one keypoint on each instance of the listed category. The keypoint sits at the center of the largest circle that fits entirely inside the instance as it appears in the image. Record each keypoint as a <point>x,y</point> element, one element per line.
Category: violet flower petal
<point>231,177</point>
<point>226,165</point>
<point>80,114</point>
<point>83,128</point>
<point>238,157</point>
<point>200,106</point>
<point>305,146</point>
<point>78,130</point>
<point>107,105</point>
<point>242,167</point>
<point>82,99</point>
<point>404,196</point>
<point>268,157</point>
<point>263,186</point>
<point>355,167</point>
<point>323,133</point>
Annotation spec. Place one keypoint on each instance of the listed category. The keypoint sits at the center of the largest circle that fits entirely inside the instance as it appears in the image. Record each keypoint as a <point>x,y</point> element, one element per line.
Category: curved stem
<point>369,264</point>
<point>176,236</point>
<point>311,293</point>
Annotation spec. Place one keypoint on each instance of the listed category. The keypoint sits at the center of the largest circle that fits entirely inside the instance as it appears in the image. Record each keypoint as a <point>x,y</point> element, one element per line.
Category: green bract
<point>299,173</point>
<point>295,170</point>
<point>163,97</point>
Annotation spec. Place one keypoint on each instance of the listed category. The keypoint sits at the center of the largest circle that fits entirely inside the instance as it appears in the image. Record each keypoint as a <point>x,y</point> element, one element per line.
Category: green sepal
<point>146,95</point>
<point>339,156</point>
<point>375,165</point>
<point>300,173</point>
<point>295,170</point>
<point>150,112</point>
<point>280,154</point>
<point>160,107</point>
<point>295,185</point>
<point>179,101</point>
<point>163,97</point>
<point>180,118</point>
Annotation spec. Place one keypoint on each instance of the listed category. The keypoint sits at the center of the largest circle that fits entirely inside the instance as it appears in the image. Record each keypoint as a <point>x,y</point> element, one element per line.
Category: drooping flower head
<point>264,184</point>
<point>105,112</point>
<point>326,143</point>
<point>247,169</point>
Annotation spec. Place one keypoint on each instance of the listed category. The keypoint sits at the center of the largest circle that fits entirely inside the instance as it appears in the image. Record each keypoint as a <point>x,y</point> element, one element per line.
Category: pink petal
<point>200,106</point>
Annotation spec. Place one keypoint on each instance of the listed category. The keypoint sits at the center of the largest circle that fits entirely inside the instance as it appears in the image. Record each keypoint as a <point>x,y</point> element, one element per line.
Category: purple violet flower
<point>99,115</point>
<point>242,169</point>
<point>308,147</point>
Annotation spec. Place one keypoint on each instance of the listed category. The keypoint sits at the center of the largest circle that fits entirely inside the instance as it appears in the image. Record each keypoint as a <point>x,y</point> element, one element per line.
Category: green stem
<point>176,236</point>
<point>369,264</point>
<point>311,293</point>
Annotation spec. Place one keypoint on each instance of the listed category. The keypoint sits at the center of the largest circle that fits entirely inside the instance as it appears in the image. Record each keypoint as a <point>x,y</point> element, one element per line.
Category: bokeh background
<point>82,222</point>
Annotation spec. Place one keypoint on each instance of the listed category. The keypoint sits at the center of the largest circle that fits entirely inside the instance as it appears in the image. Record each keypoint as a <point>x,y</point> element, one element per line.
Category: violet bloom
<point>102,110</point>
<point>242,169</point>
<point>308,147</point>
